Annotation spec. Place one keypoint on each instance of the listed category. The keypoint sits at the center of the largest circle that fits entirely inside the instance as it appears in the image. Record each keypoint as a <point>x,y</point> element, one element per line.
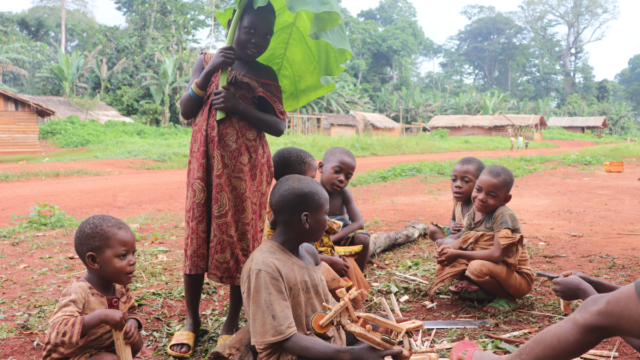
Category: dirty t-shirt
<point>281,294</point>
<point>502,218</point>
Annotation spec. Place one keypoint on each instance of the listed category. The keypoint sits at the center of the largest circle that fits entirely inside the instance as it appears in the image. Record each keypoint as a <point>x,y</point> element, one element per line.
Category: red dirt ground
<point>598,208</point>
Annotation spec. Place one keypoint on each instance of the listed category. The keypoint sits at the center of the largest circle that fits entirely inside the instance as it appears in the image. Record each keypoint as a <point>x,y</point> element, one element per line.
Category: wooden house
<point>376,124</point>
<point>597,124</point>
<point>19,117</point>
<point>340,125</point>
<point>527,126</point>
<point>64,107</point>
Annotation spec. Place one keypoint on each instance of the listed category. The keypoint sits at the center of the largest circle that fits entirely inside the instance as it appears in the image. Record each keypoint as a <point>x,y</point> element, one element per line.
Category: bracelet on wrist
<point>197,90</point>
<point>195,96</point>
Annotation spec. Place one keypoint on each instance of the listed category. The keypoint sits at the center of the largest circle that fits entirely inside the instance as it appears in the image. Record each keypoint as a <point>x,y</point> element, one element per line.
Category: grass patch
<point>47,174</point>
<point>168,148</point>
<point>520,166</point>
<point>559,133</point>
<point>42,217</point>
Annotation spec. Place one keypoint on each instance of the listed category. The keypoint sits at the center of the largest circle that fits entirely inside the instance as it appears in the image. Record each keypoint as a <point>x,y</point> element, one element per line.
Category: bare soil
<point>587,219</point>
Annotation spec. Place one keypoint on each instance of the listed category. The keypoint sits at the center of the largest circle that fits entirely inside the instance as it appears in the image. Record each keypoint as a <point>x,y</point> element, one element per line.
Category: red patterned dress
<point>228,181</point>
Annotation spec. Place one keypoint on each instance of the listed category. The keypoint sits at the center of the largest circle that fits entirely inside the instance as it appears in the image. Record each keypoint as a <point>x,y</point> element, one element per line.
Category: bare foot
<point>192,326</point>
<point>477,355</point>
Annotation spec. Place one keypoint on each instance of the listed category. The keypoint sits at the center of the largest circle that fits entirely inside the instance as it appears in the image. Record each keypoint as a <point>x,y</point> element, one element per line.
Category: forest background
<point>529,61</point>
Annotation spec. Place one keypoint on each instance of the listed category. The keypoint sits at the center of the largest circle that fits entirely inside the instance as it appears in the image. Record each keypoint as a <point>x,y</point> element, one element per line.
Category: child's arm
<point>357,222</point>
<point>115,319</point>
<point>336,263</point>
<point>312,348</point>
<point>496,254</point>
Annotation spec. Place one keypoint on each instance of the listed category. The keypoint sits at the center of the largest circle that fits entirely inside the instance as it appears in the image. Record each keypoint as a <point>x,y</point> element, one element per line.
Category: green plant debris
<point>47,174</point>
<point>42,217</point>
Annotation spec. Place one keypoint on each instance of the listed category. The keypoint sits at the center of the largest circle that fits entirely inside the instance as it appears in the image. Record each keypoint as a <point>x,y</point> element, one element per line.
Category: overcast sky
<point>441,19</point>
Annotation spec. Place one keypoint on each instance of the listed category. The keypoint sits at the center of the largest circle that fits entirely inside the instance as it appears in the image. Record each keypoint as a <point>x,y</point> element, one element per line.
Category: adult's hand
<point>572,288</point>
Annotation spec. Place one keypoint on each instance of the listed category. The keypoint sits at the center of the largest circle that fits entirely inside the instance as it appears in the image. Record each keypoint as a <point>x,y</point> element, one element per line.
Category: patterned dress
<point>228,181</point>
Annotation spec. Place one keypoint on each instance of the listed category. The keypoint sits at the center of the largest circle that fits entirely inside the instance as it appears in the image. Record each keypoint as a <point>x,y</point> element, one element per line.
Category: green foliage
<point>559,133</point>
<point>629,78</point>
<point>42,217</point>
<point>46,174</point>
<point>66,72</point>
<point>520,166</point>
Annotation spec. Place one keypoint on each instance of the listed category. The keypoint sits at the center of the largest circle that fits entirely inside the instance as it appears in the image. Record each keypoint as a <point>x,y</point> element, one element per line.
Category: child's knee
<point>435,233</point>
<point>477,270</point>
<point>361,239</point>
<point>104,356</point>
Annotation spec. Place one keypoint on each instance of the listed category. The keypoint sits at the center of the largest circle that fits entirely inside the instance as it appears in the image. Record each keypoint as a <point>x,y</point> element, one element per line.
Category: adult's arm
<point>312,348</point>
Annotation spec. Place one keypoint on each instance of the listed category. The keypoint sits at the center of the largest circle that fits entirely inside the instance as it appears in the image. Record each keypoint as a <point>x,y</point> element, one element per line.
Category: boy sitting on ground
<point>336,170</point>
<point>296,161</point>
<point>463,181</point>
<point>491,252</point>
<point>282,284</point>
<point>92,306</point>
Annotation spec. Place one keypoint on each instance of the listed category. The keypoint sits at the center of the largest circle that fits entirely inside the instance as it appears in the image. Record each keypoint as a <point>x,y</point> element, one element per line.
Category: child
<point>295,161</point>
<point>230,169</point>
<point>282,283</point>
<point>599,317</point>
<point>336,170</point>
<point>491,251</point>
<point>463,180</point>
<point>99,302</point>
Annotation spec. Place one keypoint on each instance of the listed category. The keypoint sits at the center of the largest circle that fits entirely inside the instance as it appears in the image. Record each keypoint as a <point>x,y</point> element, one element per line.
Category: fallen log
<point>383,241</point>
<point>237,348</point>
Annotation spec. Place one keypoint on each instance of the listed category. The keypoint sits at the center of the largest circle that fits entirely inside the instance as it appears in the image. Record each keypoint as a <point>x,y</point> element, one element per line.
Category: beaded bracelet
<point>197,90</point>
<point>195,96</point>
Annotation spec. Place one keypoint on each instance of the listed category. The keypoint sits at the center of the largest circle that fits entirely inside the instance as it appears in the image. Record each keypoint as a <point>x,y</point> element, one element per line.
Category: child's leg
<point>104,356</point>
<point>435,233</point>
<point>363,255</point>
<point>598,318</point>
<point>192,291</point>
<point>235,305</point>
<point>498,280</point>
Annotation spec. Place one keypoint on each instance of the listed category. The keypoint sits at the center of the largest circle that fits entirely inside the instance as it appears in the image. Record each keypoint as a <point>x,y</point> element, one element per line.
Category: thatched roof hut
<point>19,118</point>
<point>65,108</point>
<point>340,125</point>
<point>376,123</point>
<point>580,124</point>
<point>486,125</point>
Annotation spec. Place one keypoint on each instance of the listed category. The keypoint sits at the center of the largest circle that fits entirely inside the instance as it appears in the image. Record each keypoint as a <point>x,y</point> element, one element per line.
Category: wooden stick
<point>338,308</point>
<point>413,278</point>
<point>614,349</point>
<point>394,303</point>
<point>603,353</point>
<point>566,306</point>
<point>517,333</point>
<point>419,342</point>
<point>428,343</point>
<point>123,350</point>
<point>506,339</point>
<point>385,306</point>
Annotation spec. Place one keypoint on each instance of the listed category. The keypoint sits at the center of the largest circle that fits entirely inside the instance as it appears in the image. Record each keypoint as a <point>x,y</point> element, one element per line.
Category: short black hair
<point>93,234</point>
<point>503,175</point>
<point>339,152</point>
<point>266,9</point>
<point>473,161</point>
<point>294,194</point>
<point>291,161</point>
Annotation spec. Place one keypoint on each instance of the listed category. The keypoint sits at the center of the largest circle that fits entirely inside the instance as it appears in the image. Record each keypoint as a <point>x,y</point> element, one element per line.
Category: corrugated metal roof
<point>341,119</point>
<point>376,120</point>
<point>486,121</point>
<point>594,121</point>
<point>43,110</point>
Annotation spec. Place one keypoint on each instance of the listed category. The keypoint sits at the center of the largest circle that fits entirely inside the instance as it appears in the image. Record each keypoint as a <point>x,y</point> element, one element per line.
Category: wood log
<point>238,347</point>
<point>383,241</point>
<point>123,350</point>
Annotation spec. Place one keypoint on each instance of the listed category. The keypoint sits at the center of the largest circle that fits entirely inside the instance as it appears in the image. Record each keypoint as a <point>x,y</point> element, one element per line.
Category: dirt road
<point>124,191</point>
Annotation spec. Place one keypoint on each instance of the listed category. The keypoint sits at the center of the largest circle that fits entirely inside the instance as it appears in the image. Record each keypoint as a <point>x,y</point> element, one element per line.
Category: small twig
<point>613,353</point>
<point>412,278</point>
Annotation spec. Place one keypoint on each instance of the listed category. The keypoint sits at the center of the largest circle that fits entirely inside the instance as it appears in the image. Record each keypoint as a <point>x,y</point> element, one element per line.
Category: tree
<point>629,78</point>
<point>81,5</point>
<point>67,72</point>
<point>8,56</point>
<point>101,71</point>
<point>164,83</point>
<point>585,22</point>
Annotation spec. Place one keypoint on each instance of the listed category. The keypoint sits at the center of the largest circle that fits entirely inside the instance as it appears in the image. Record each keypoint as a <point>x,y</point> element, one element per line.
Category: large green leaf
<point>308,47</point>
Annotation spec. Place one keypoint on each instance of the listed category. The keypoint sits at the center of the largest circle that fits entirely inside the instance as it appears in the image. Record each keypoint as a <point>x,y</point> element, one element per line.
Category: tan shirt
<point>281,294</point>
<point>78,300</point>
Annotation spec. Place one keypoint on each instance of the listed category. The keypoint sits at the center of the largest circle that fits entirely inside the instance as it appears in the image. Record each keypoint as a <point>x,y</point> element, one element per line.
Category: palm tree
<point>67,72</point>
<point>164,83</point>
<point>7,56</point>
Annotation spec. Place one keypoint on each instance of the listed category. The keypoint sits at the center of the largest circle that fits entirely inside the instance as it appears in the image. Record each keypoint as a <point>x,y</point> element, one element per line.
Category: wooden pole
<point>123,350</point>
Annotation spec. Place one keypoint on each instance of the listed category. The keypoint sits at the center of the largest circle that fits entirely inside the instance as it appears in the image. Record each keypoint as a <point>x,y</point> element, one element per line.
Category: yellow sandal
<point>223,339</point>
<point>182,338</point>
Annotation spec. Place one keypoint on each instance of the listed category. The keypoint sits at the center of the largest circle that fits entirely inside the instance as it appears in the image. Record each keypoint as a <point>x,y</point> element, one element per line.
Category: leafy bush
<point>42,217</point>
<point>560,133</point>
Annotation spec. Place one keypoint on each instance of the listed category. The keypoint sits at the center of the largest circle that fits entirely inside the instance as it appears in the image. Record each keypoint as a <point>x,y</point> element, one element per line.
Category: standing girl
<point>230,169</point>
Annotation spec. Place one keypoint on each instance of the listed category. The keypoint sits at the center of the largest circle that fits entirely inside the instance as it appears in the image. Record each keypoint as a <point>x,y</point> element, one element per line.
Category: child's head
<point>493,189</point>
<point>107,248</point>
<point>336,169</point>
<point>255,30</point>
<point>464,176</point>
<point>299,202</point>
<point>293,161</point>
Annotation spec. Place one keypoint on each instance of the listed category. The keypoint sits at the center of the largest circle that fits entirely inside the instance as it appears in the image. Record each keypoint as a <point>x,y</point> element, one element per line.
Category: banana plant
<point>66,73</point>
<point>163,84</point>
<point>103,73</point>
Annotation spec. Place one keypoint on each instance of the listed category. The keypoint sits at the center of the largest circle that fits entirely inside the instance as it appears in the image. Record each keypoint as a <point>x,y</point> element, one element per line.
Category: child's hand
<point>225,100</point>
<point>131,334</point>
<point>447,256</point>
<point>225,56</point>
<point>115,319</point>
<point>571,288</point>
<point>457,227</point>
<point>339,266</point>
<point>575,273</point>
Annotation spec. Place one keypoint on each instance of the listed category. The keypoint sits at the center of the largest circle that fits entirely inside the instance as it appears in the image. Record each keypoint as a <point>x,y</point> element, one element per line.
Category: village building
<point>340,125</point>
<point>376,124</point>
<point>19,118</point>
<point>597,124</point>
<point>528,126</point>
<point>65,107</point>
